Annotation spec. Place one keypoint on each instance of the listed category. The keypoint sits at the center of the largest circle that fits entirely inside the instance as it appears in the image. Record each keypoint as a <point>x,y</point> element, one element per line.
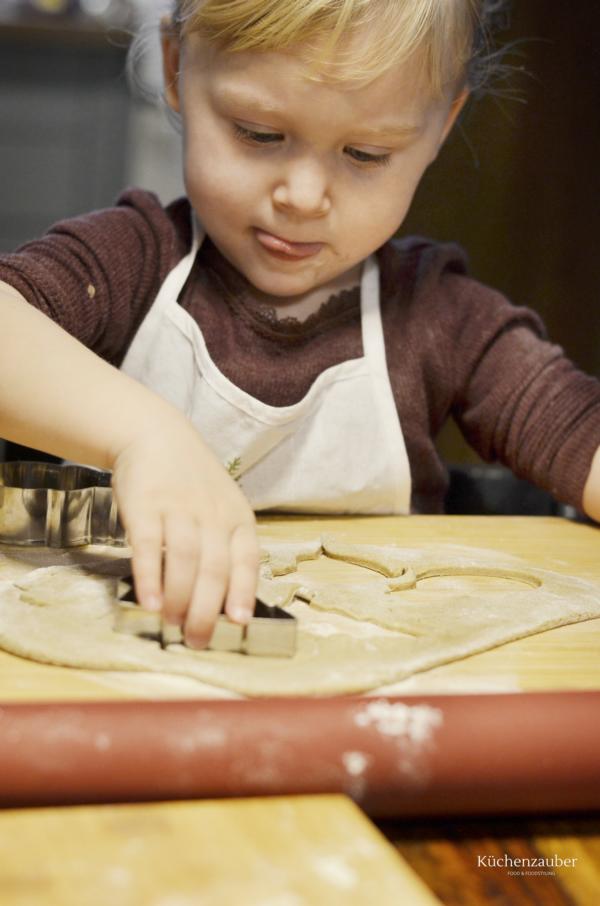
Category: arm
<point>591,491</point>
<point>171,491</point>
<point>518,398</point>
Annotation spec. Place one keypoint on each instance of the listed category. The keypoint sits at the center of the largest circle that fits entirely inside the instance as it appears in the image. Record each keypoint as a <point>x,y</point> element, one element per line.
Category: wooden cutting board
<point>564,658</point>
<point>261,852</point>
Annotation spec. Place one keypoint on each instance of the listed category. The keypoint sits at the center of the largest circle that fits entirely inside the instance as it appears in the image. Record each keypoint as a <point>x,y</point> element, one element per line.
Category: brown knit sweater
<point>454,347</point>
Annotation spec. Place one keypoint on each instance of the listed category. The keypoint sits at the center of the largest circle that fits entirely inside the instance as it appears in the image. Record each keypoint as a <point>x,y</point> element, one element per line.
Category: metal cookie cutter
<point>57,505</point>
<point>271,632</point>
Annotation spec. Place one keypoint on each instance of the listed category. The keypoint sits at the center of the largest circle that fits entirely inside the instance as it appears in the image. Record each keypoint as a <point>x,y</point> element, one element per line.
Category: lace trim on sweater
<point>340,308</point>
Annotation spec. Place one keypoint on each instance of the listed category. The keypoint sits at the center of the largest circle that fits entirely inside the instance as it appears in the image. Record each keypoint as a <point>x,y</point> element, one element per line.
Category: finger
<point>145,538</point>
<point>182,557</point>
<point>209,592</point>
<point>245,560</point>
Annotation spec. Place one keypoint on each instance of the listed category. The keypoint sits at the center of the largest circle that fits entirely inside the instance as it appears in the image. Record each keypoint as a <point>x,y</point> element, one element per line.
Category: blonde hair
<point>448,39</point>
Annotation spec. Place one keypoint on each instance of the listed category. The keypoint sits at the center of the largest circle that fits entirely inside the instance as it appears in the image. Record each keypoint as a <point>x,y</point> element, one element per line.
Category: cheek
<point>384,209</point>
<point>213,174</point>
<point>391,204</point>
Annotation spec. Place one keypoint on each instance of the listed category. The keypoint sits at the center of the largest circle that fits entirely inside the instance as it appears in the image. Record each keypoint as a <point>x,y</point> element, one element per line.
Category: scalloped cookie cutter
<point>57,505</point>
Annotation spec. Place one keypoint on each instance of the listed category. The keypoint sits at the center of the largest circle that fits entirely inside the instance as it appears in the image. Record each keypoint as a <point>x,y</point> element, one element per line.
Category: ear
<point>171,56</point>
<point>457,105</point>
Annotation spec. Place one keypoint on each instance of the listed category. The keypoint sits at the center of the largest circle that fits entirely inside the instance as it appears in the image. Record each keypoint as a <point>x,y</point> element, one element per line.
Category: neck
<point>304,305</point>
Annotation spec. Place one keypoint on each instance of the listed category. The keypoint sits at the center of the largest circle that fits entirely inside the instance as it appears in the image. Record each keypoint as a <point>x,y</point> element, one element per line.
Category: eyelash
<point>267,138</point>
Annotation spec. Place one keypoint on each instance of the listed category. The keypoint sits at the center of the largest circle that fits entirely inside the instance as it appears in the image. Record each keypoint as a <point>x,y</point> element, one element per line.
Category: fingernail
<point>241,615</point>
<point>196,642</point>
<point>152,602</point>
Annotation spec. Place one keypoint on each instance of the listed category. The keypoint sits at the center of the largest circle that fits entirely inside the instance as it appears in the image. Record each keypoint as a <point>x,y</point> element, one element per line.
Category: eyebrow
<point>392,131</point>
<point>258,104</point>
<point>263,106</point>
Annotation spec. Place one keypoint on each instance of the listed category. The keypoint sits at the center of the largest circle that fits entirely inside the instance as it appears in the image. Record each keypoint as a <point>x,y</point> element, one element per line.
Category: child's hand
<point>173,494</point>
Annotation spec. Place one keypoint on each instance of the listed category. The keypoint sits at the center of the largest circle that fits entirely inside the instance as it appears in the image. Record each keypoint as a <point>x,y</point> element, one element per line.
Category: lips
<point>283,248</point>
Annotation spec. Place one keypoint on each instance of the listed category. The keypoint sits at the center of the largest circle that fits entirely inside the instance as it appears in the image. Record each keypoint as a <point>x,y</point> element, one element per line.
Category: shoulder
<point>137,236</point>
<point>137,221</point>
<point>415,262</point>
<point>96,274</point>
<point>429,279</point>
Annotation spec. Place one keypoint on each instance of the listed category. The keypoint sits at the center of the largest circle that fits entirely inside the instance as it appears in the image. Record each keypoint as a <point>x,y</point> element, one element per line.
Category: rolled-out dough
<point>65,614</point>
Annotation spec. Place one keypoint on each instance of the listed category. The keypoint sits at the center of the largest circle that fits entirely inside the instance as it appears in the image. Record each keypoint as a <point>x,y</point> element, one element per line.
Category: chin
<point>280,284</point>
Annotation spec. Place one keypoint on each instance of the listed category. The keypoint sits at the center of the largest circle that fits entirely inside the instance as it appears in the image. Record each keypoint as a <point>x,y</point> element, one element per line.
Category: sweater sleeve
<point>96,275</point>
<point>519,400</point>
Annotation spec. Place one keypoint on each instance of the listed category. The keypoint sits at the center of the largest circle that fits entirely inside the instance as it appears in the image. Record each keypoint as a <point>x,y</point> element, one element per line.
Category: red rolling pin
<point>431,755</point>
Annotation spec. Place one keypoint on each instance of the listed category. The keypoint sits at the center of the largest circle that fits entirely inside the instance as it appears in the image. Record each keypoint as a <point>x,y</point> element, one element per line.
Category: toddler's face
<point>297,181</point>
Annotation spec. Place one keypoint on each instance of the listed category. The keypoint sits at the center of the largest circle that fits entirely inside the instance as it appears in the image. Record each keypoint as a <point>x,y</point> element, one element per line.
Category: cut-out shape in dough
<point>284,556</point>
<point>277,594</point>
<point>512,575</point>
<point>389,561</point>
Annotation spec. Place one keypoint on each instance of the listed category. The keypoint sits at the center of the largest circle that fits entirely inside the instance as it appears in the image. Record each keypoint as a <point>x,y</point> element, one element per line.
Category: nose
<point>303,189</point>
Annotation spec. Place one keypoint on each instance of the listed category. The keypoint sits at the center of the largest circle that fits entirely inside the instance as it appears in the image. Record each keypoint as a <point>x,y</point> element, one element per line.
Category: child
<point>316,358</point>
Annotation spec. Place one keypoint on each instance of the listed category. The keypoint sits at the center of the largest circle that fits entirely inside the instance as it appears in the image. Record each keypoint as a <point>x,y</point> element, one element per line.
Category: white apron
<point>340,449</point>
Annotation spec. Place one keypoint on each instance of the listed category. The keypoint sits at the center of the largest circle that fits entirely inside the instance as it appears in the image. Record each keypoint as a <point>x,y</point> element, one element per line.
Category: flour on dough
<point>67,585</point>
<point>65,616</point>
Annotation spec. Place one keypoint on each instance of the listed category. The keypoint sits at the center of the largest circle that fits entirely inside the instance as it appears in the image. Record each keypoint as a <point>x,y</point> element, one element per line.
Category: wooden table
<point>447,855</point>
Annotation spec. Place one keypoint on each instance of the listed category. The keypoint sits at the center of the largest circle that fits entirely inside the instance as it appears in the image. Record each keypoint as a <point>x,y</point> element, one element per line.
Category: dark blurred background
<point>516,184</point>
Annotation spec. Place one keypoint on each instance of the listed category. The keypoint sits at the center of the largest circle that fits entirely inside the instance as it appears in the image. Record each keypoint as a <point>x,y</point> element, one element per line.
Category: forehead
<point>287,80</point>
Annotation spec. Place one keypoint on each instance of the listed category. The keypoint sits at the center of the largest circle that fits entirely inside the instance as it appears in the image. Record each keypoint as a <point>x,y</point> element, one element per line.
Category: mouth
<point>284,248</point>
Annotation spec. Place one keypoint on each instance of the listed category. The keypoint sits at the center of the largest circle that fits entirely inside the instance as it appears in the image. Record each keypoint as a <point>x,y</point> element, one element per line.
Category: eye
<point>363,157</point>
<point>258,138</point>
